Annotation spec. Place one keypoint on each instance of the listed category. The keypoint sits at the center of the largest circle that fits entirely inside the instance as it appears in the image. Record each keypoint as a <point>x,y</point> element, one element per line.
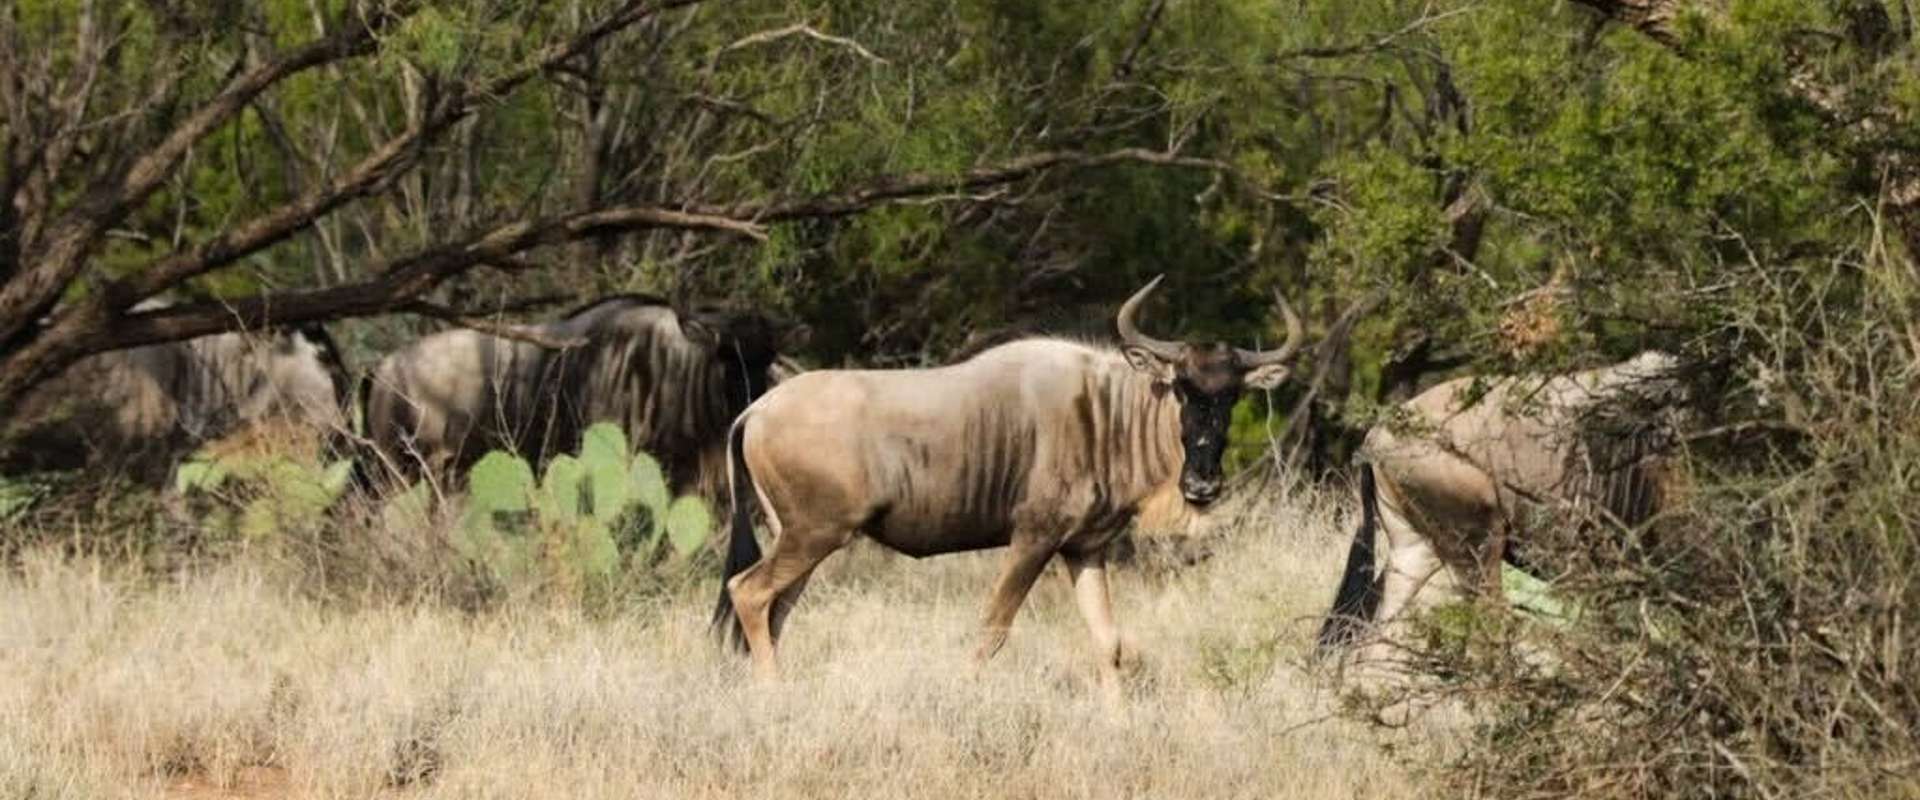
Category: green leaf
<point>688,524</point>
<point>1535,595</point>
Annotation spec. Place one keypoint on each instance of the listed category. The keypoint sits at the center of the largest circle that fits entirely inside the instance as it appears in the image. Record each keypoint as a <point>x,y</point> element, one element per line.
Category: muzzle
<point>1199,491</point>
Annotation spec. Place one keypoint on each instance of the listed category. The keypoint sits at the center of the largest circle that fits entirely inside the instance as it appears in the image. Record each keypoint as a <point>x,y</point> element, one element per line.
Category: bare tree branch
<point>72,238</point>
<point>802,29</point>
<point>250,237</point>
<point>886,190</point>
<point>96,326</point>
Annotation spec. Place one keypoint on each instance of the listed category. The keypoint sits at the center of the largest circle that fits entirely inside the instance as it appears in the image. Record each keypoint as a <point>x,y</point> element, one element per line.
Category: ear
<point>703,335</point>
<point>1267,377</point>
<point>795,337</point>
<point>1145,361</point>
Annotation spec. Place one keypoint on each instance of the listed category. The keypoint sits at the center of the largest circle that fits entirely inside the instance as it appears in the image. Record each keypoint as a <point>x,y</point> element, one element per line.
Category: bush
<point>594,520</point>
<point>1754,640</point>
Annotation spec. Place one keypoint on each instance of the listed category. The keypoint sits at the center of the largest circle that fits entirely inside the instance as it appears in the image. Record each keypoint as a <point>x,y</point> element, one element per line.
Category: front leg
<point>1026,559</point>
<point>1088,571</point>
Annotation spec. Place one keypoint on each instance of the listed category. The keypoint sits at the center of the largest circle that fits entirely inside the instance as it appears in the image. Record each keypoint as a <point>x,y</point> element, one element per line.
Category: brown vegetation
<point>226,677</point>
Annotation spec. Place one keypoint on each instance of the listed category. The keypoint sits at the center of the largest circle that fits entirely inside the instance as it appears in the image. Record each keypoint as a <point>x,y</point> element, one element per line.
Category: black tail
<point>1356,599</point>
<point>743,550</point>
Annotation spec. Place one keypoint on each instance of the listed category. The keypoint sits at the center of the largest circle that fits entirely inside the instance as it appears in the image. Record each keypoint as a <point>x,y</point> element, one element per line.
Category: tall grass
<point>234,673</point>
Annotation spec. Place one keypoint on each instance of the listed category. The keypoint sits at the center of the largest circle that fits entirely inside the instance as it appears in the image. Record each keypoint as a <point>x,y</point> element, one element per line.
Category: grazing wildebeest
<point>1044,446</point>
<point>1473,462</point>
<point>141,409</point>
<point>673,381</point>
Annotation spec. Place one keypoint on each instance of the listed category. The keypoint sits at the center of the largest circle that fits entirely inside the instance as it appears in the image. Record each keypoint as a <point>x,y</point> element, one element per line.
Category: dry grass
<point>227,682</point>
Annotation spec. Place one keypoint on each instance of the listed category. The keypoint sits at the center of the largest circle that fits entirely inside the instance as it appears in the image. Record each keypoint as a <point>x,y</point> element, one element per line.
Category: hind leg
<point>1411,562</point>
<point>756,591</point>
<point>783,605</point>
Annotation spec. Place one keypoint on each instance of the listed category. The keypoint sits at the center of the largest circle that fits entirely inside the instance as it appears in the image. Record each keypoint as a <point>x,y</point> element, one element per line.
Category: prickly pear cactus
<point>582,517</point>
<point>494,530</point>
<point>608,492</point>
<point>560,495</point>
<point>258,494</point>
<point>579,536</point>
<point>687,524</point>
<point>409,509</point>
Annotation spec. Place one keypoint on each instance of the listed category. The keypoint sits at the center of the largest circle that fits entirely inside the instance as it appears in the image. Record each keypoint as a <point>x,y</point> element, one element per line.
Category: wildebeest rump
<point>141,410</point>
<point>672,381</point>
<point>1044,446</point>
<point>1457,481</point>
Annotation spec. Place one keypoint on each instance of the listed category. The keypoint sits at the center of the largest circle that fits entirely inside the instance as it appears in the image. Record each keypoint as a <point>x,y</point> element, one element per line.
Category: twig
<point>802,29</point>
<point>465,319</point>
<point>1378,42</point>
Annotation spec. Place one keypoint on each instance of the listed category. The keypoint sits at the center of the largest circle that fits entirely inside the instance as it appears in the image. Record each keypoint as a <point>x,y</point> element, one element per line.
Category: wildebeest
<point>140,410</point>
<point>1471,463</point>
<point>673,381</point>
<point>1044,446</point>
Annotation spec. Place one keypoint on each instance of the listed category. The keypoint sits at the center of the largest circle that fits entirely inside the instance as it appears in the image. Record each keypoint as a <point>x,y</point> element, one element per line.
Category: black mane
<point>1615,470</point>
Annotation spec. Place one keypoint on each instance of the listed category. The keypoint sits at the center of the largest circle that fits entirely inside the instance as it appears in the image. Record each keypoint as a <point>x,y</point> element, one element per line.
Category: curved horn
<point>1296,335</point>
<point>1130,334</point>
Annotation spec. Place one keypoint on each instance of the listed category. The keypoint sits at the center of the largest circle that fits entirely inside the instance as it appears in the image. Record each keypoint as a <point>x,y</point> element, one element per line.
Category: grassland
<point>226,679</point>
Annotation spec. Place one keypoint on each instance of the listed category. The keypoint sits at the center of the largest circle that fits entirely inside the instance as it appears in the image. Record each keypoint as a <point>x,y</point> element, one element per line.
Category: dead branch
<point>92,328</point>
<point>366,176</point>
<point>75,235</point>
<point>99,325</point>
<point>802,29</point>
<point>883,191</point>
<point>482,322</point>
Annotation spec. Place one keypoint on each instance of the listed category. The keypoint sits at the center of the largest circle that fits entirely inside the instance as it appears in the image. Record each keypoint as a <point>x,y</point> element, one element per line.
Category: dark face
<point>746,344</point>
<point>1208,380</point>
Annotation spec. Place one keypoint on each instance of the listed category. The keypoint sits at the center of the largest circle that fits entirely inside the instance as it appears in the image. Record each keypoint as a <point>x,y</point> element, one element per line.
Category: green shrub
<point>252,495</point>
